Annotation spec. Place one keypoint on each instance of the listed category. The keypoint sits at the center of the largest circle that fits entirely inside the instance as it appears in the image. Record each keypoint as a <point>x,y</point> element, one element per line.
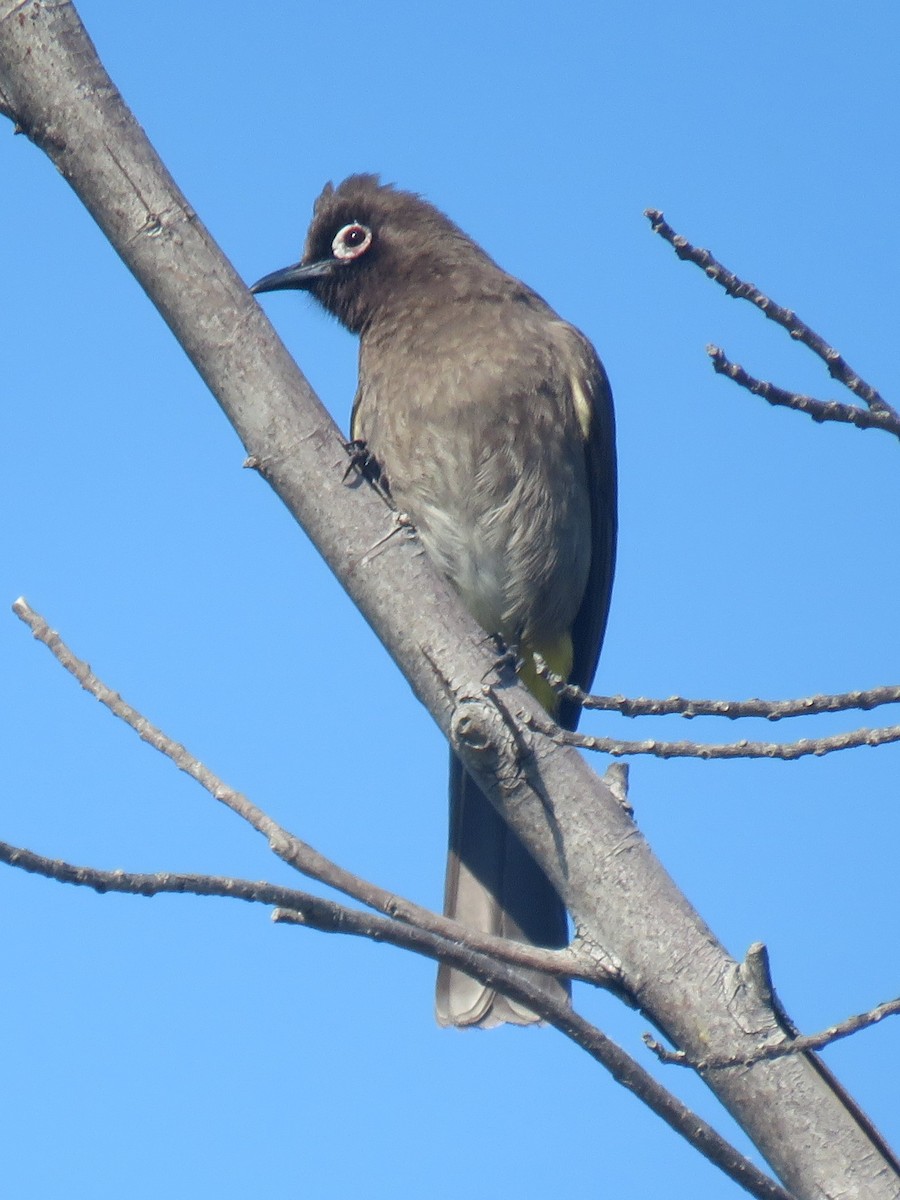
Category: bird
<point>490,424</point>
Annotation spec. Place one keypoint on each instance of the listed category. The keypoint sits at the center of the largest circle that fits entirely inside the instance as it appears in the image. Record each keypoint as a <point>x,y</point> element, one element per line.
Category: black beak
<point>300,276</point>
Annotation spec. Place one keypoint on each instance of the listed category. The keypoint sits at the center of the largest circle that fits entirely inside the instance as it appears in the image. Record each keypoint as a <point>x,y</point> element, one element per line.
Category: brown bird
<point>491,423</point>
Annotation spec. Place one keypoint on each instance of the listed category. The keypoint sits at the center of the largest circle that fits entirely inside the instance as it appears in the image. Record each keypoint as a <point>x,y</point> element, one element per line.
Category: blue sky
<point>189,1045</point>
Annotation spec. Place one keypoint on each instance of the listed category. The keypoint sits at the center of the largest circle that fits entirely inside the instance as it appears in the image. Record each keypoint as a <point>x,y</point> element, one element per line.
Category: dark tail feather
<point>493,886</point>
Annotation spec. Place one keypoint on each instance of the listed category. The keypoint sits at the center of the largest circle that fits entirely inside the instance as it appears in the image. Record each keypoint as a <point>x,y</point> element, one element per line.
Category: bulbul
<point>490,420</point>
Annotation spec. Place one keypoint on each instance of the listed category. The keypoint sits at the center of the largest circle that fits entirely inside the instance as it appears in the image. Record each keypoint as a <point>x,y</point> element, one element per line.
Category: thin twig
<point>786,751</point>
<point>299,854</point>
<point>301,908</point>
<point>820,410</point>
<point>785,1046</point>
<point>772,710</point>
<point>837,366</point>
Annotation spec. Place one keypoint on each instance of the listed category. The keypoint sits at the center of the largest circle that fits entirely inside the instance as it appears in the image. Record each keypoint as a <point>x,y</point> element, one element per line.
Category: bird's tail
<point>493,885</point>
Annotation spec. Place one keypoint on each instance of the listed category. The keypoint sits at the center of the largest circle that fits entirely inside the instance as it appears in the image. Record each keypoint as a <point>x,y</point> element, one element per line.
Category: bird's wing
<point>595,401</point>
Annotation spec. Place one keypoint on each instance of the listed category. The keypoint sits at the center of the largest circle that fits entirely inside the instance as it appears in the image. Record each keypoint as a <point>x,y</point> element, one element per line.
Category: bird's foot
<point>366,466</point>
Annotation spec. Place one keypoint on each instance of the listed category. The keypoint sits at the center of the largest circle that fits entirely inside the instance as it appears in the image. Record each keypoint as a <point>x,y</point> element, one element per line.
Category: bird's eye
<point>351,241</point>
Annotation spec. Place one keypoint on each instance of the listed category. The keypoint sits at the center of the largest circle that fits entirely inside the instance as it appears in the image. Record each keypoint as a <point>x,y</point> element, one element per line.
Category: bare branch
<point>819,410</point>
<point>155,884</point>
<point>299,854</point>
<point>495,968</point>
<point>493,960</point>
<point>314,912</point>
<point>786,751</point>
<point>772,710</point>
<point>307,909</point>
<point>801,1044</point>
<point>837,366</point>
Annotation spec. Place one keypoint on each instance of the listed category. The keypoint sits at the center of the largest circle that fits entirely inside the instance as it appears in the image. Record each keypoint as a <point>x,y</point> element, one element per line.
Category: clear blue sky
<point>188,1046</point>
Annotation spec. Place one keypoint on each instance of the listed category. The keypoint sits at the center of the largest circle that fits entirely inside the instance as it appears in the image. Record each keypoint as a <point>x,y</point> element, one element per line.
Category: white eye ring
<point>351,241</point>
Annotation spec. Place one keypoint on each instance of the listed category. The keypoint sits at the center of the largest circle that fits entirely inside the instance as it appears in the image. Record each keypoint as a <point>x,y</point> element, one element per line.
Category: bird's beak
<point>300,275</point>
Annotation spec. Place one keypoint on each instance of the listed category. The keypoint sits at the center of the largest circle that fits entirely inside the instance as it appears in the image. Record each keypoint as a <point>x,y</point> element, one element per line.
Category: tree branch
<point>314,912</point>
<point>738,288</point>
<point>786,751</point>
<point>819,410</point>
<point>299,854</point>
<point>800,1044</point>
<point>772,710</point>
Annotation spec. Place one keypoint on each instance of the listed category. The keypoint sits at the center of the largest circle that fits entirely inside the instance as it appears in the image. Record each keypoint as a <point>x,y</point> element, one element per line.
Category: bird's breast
<point>485,454</point>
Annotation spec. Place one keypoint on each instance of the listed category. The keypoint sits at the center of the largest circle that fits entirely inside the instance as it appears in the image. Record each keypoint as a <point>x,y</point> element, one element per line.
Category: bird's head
<point>371,246</point>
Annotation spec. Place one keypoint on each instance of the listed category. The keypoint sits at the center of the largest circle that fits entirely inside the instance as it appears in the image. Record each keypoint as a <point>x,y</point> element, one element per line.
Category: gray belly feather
<point>493,476</point>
